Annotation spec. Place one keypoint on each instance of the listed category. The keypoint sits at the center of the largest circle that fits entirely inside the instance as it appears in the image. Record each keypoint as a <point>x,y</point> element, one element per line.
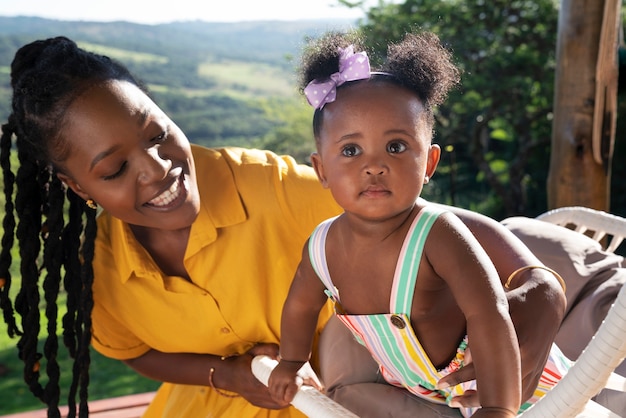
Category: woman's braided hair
<point>55,239</point>
<point>419,63</point>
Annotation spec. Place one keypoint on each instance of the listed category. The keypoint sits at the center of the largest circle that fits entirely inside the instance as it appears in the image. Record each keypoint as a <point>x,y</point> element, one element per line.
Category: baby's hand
<point>469,399</point>
<point>284,381</point>
<point>309,377</point>
<point>287,377</point>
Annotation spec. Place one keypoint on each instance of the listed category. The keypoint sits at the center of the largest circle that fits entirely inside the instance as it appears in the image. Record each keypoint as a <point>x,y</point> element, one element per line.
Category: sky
<point>152,12</point>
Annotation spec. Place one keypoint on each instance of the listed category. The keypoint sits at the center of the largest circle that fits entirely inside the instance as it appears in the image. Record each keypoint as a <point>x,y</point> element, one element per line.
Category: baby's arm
<point>536,300</point>
<point>478,291</point>
<point>299,319</point>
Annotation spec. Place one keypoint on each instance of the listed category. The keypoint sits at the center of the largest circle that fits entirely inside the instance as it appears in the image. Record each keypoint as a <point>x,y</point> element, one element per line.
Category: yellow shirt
<point>257,210</point>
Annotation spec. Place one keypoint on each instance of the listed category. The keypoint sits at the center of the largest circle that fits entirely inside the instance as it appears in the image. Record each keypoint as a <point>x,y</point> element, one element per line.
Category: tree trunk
<point>585,84</point>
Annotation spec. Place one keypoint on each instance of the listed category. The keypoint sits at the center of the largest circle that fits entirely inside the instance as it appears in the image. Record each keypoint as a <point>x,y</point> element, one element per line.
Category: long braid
<point>77,321</point>
<point>53,260</point>
<point>71,238</point>
<point>46,77</point>
<point>86,304</point>
<point>72,330</point>
<point>8,227</point>
<point>28,203</point>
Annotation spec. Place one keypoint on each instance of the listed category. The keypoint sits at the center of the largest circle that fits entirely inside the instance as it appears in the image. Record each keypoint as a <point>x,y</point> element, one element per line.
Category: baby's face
<point>374,149</point>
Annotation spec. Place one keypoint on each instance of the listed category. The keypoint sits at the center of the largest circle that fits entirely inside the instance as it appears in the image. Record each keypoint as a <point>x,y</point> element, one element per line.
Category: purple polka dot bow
<point>351,67</point>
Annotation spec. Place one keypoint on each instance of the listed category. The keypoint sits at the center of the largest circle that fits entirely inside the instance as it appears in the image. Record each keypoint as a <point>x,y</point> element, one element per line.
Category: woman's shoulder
<point>239,158</point>
<point>233,153</point>
<point>250,167</point>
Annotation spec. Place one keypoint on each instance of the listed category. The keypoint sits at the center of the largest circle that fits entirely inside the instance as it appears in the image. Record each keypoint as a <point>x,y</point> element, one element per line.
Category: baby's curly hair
<point>419,63</point>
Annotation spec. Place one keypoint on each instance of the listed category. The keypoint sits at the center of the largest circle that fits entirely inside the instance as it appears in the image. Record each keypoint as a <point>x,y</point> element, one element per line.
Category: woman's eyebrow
<point>102,155</point>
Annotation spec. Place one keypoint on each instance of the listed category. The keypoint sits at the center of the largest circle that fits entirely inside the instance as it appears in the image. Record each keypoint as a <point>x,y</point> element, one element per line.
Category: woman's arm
<point>232,374</point>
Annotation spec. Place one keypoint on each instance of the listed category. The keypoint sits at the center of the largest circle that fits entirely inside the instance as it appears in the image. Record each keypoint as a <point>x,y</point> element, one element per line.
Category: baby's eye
<point>350,151</point>
<point>396,147</point>
<point>117,173</point>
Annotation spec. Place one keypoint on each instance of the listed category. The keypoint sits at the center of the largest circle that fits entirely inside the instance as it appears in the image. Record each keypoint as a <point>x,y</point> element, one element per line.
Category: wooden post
<point>585,85</point>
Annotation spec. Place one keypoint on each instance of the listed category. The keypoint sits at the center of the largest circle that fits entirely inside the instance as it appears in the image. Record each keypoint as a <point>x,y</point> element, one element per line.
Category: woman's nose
<point>154,167</point>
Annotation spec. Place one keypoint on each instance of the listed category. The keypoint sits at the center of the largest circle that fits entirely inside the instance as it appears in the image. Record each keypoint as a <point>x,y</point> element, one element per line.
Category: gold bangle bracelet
<point>219,391</point>
<point>521,269</point>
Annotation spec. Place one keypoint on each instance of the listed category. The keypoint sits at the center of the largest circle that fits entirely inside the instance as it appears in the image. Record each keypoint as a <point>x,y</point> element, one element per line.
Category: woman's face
<point>129,157</point>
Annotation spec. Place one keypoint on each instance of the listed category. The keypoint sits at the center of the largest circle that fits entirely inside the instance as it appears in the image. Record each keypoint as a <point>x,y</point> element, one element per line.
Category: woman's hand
<point>248,386</point>
<point>245,383</point>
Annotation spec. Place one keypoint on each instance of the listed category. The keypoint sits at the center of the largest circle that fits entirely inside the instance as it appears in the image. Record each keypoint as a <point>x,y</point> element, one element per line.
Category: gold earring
<point>91,204</point>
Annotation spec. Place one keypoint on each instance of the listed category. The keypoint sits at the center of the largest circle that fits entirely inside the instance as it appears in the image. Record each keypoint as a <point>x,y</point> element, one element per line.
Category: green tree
<point>497,123</point>
<point>294,135</point>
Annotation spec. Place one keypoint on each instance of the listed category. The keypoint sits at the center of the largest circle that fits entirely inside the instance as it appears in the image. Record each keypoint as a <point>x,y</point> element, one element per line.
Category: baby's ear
<point>73,185</point>
<point>434,153</point>
<point>318,166</point>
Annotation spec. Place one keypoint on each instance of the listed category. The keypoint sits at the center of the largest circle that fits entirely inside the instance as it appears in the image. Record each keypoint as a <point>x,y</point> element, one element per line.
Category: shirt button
<point>397,321</point>
<point>225,330</point>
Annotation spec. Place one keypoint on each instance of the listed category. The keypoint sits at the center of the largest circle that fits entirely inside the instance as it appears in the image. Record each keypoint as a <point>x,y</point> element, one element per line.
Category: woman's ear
<point>434,153</point>
<point>318,166</point>
<point>73,185</point>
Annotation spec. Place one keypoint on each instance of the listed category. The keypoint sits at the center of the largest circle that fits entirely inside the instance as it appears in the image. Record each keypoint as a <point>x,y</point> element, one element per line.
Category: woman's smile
<point>172,196</point>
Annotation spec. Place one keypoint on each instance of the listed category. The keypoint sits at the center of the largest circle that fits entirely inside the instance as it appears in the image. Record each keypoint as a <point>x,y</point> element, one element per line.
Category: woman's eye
<point>350,151</point>
<point>117,173</point>
<point>396,147</point>
<point>160,137</point>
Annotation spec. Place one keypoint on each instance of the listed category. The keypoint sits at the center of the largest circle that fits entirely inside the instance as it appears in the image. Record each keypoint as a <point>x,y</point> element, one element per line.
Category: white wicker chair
<point>593,370</point>
<point>606,228</point>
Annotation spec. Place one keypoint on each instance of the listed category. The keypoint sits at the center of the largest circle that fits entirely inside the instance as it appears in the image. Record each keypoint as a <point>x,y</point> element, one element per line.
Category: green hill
<point>217,81</point>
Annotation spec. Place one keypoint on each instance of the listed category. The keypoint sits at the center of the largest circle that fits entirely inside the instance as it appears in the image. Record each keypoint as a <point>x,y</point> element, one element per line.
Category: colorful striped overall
<point>390,337</point>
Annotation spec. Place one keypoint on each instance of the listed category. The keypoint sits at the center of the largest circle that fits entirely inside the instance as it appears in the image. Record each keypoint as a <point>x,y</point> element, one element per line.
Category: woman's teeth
<point>167,196</point>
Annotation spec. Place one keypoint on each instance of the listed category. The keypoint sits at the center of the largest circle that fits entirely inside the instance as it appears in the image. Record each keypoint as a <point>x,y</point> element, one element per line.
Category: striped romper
<point>390,338</point>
